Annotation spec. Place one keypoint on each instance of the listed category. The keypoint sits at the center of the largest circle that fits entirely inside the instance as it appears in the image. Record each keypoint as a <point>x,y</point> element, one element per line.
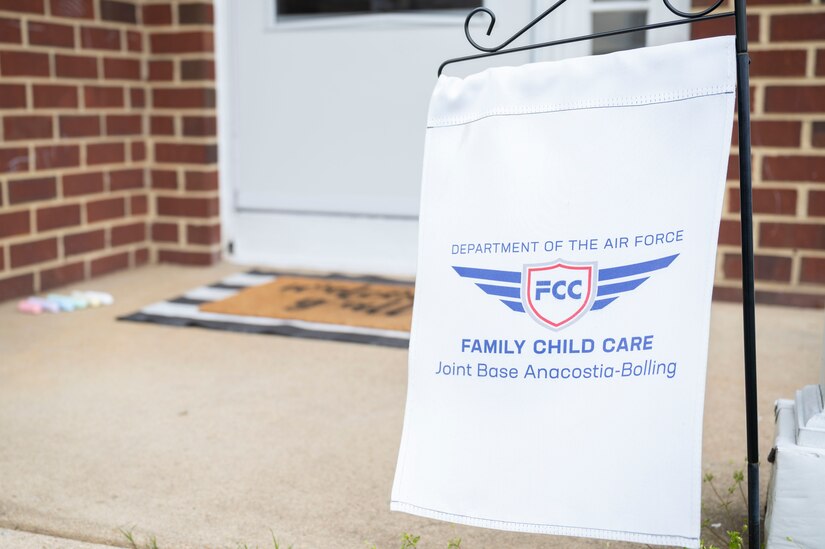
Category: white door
<point>583,17</point>
<point>322,125</point>
<point>323,114</point>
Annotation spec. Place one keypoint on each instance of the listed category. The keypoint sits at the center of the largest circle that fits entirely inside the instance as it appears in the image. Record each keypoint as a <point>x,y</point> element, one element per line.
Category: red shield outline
<point>586,301</point>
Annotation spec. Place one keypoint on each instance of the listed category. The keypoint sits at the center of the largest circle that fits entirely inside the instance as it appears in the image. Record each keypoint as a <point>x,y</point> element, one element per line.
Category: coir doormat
<point>368,310</point>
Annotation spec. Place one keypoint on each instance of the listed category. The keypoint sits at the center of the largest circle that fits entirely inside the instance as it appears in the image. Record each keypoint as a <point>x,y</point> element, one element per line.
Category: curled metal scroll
<point>548,11</point>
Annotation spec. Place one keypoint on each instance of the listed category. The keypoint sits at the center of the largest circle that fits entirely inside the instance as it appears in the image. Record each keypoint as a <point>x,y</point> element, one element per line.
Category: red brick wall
<point>787,50</point>
<point>107,142</point>
<point>183,130</point>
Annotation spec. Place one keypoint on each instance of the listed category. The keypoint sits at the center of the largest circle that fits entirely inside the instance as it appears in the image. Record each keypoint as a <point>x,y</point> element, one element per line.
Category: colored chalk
<point>28,306</point>
<point>101,297</point>
<point>64,302</point>
<point>45,304</point>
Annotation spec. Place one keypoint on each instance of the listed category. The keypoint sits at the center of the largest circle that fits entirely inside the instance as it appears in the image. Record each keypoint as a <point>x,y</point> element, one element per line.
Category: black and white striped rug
<point>184,311</point>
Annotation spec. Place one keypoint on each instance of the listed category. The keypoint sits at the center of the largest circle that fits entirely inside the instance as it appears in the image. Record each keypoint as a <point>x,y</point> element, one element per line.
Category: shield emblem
<point>558,293</point>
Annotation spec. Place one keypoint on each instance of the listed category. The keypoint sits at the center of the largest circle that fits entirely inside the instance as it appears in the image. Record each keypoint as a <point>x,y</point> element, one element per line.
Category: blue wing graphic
<point>612,282</point>
<point>507,284</point>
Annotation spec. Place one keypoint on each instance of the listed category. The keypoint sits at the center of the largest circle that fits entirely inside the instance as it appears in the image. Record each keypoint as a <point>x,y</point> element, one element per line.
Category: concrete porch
<point>211,439</point>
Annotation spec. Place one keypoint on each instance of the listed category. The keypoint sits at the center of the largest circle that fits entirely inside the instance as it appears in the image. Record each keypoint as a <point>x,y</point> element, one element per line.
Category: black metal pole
<point>748,293</point>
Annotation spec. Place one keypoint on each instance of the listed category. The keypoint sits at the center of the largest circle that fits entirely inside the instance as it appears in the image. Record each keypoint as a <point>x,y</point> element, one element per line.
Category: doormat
<point>369,310</point>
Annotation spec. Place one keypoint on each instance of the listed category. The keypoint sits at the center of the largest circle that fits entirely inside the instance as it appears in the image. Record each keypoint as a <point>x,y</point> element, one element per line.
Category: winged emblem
<point>557,293</point>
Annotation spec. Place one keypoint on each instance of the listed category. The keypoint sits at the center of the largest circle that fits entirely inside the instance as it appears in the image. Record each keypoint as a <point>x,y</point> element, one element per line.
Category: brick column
<point>184,175</point>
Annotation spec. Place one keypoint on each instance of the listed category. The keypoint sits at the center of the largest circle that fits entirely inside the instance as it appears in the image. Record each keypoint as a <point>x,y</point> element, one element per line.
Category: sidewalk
<point>212,439</point>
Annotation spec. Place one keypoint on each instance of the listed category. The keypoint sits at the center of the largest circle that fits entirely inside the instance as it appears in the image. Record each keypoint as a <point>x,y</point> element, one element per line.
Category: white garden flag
<point>569,217</point>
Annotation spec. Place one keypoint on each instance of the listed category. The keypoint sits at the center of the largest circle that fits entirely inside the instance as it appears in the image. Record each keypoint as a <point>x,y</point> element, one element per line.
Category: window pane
<point>608,21</point>
<point>309,7</point>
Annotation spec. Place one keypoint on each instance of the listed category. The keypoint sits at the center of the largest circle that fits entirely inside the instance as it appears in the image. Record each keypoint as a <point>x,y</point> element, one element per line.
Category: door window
<point>329,7</point>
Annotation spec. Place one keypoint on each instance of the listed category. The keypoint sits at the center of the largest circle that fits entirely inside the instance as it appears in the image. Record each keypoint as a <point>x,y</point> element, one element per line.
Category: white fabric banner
<point>569,217</point>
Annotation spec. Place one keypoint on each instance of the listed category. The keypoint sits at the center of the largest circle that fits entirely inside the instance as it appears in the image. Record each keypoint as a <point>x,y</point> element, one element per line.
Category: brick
<point>128,234</point>
<point>776,2</point>
<point>14,223</point>
<point>23,6</point>
<point>10,31</point>
<point>795,99</point>
<point>126,179</point>
<point>75,66</point>
<point>162,125</point>
<point>183,98</point>
<point>96,38</point>
<point>84,125</point>
<point>723,27</point>
<point>816,203</point>
<point>767,201</point>
<point>197,69</point>
<point>57,217</point>
<point>61,276</point>
<point>778,63</point>
<point>134,41</point>
<point>32,190</point>
<point>730,232</point>
<point>200,126</point>
<point>137,98</point>
<point>177,153</point>
<point>51,96</point>
<point>772,133</point>
<point>164,179</point>
<point>106,208</point>
<point>141,256</point>
<point>138,151</point>
<point>793,168</point>
<point>130,124</point>
<point>161,70</point>
<point>157,14</point>
<point>82,183</point>
<point>122,12</point>
<point>14,159</point>
<point>202,181</point>
<point>189,258</point>
<point>103,96</point>
<point>27,127</point>
<point>797,26</point>
<point>121,69</point>
<point>50,34</point>
<point>199,13</point>
<point>57,156</point>
<point>733,167</point>
<point>199,234</point>
<point>85,242</point>
<point>12,96</point>
<point>820,63</point>
<point>765,267</point>
<point>182,42</point>
<point>138,205</point>
<point>164,232</point>
<point>187,206</point>
<point>30,253</point>
<point>2,259</point>
<point>812,270</point>
<point>808,236</point>
<point>105,153</point>
<point>16,286</point>
<point>110,263</point>
<point>76,8</point>
<point>24,63</point>
<point>818,134</point>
